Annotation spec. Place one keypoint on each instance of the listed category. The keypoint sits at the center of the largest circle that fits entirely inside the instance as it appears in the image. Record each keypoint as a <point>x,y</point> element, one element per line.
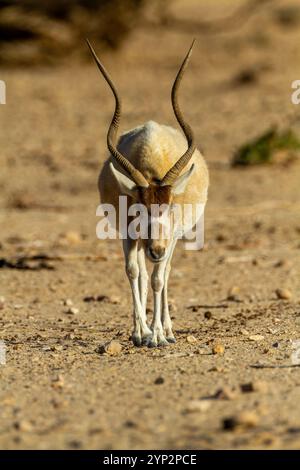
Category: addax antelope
<point>152,165</point>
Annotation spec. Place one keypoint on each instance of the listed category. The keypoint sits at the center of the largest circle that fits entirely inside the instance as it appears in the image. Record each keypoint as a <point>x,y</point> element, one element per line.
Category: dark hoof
<point>171,340</point>
<point>137,341</point>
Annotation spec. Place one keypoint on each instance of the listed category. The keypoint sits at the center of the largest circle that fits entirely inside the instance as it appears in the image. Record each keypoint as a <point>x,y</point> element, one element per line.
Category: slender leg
<point>132,271</point>
<point>143,290</point>
<point>143,278</point>
<point>157,282</point>
<point>166,320</point>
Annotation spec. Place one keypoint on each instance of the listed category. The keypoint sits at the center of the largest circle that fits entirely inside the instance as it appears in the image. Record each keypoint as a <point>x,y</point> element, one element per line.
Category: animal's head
<point>159,193</point>
<point>156,201</point>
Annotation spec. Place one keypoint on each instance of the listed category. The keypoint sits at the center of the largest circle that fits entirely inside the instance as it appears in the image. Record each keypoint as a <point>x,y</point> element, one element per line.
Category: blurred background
<point>236,95</point>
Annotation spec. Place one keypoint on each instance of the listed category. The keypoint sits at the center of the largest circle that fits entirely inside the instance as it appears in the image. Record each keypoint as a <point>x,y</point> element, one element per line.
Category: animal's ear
<point>126,185</point>
<point>181,182</point>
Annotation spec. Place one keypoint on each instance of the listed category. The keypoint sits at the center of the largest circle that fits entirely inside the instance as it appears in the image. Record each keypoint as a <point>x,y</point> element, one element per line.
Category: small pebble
<point>282,263</point>
<point>233,293</point>
<point>68,302</point>
<point>218,349</point>
<point>244,420</point>
<point>72,238</point>
<point>111,347</point>
<point>195,406</point>
<point>2,302</point>
<point>58,382</point>
<point>256,338</point>
<point>244,332</point>
<point>255,386</point>
<point>22,425</point>
<point>191,339</point>
<point>72,311</point>
<point>114,299</point>
<point>225,393</point>
<point>208,315</point>
<point>159,381</point>
<point>283,294</point>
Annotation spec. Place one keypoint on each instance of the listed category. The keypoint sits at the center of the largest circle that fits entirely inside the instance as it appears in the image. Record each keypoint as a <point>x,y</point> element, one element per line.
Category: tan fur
<point>153,149</point>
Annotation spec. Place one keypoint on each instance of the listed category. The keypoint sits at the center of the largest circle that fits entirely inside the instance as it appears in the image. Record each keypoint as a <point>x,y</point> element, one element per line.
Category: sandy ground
<point>56,390</point>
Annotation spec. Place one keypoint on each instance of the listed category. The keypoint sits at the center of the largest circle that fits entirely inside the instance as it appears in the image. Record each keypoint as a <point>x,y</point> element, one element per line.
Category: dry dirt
<point>56,390</point>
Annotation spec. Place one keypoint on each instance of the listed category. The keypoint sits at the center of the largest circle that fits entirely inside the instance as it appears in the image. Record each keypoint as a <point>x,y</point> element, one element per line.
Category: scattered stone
<point>256,338</point>
<point>272,331</point>
<point>111,347</point>
<point>243,420</point>
<point>68,302</point>
<point>72,311</point>
<point>71,238</point>
<point>23,426</point>
<point>114,299</point>
<point>221,237</point>
<point>218,349</point>
<point>2,302</point>
<point>130,424</point>
<point>233,293</point>
<point>225,393</point>
<point>282,263</point>
<point>216,369</point>
<point>160,380</point>
<point>69,336</point>
<point>75,444</point>
<point>255,386</point>
<point>58,382</point>
<point>283,294</point>
<point>195,406</point>
<point>294,430</point>
<point>102,298</point>
<point>208,315</point>
<point>191,339</point>
<point>244,332</point>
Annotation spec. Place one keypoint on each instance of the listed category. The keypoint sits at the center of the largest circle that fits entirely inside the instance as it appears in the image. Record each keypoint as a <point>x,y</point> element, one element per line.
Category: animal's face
<point>156,200</point>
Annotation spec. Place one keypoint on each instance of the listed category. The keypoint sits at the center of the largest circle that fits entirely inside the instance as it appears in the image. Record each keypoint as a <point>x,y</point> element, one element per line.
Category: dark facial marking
<point>154,194</point>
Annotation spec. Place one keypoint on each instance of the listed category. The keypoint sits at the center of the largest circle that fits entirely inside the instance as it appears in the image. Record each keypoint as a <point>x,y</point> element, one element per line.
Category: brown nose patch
<point>157,251</point>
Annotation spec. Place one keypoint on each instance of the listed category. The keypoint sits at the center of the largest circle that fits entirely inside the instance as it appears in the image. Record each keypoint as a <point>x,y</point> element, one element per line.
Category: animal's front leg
<point>157,283</point>
<point>143,289</point>
<point>140,329</point>
<point>166,320</point>
<point>143,278</point>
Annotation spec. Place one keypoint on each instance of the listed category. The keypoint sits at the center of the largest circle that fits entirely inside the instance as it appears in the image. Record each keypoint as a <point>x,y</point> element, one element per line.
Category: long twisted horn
<point>175,171</point>
<point>135,174</point>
